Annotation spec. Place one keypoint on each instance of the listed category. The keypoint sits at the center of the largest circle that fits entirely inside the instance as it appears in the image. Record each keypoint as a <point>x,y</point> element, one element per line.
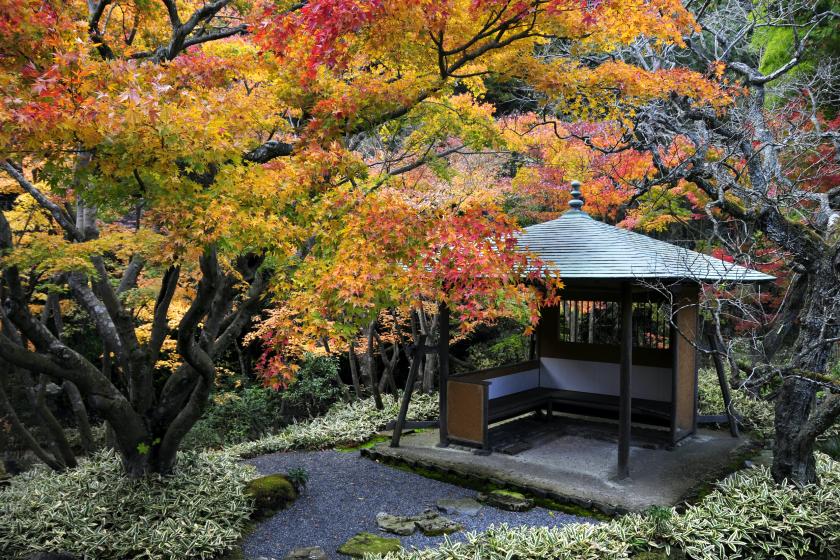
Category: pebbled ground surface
<point>344,494</point>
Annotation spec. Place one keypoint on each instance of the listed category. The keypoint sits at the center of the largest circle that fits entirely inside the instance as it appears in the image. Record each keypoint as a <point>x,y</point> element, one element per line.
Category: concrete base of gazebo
<point>573,460</point>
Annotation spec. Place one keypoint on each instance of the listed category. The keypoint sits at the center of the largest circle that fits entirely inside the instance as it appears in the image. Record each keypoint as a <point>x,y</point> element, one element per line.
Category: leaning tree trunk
<point>799,419</point>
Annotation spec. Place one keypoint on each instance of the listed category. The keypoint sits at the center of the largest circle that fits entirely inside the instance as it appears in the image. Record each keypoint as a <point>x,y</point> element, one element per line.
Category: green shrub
<point>237,416</point>
<point>756,415</point>
<point>95,512</point>
<point>343,424</point>
<point>508,350</point>
<point>747,516</point>
<point>315,387</point>
<point>831,446</point>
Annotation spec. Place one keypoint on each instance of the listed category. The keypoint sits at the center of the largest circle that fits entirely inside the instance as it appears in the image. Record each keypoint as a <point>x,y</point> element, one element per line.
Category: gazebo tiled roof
<point>580,247</point>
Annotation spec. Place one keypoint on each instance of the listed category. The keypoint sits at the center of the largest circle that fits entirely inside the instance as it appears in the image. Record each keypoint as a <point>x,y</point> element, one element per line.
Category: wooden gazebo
<point>621,344</point>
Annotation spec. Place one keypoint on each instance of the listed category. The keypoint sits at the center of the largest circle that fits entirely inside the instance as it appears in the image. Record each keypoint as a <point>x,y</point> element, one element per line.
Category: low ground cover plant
<point>343,424</point>
<point>95,512</point>
<point>746,516</point>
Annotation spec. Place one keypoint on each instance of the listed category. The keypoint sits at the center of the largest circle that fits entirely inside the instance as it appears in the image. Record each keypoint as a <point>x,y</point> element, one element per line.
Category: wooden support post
<point>419,351</point>
<point>626,370</point>
<point>443,363</point>
<point>724,385</point>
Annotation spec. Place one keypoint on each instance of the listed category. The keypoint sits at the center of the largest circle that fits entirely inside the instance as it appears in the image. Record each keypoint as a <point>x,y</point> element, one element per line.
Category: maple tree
<point>221,155</point>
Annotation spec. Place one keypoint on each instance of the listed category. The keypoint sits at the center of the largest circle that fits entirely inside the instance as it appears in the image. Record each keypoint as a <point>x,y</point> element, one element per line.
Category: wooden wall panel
<point>685,390</point>
<point>466,409</point>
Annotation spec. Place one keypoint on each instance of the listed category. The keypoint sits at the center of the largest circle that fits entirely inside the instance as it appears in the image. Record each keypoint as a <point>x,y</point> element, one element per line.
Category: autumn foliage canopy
<point>344,149</point>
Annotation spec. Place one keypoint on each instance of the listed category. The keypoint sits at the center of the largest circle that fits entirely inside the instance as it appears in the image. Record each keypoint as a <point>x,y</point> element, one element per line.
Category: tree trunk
<point>793,455</point>
<point>370,367</point>
<point>354,370</point>
<point>387,380</point>
<point>77,404</point>
<point>796,423</point>
<point>430,361</point>
<point>430,372</point>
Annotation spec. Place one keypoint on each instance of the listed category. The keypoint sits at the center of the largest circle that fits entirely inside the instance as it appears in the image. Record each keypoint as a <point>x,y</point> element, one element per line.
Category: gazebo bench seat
<point>477,400</point>
<point>502,408</point>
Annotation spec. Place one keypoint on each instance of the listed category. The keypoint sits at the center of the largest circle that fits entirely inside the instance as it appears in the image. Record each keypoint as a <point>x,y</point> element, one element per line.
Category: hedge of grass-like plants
<point>95,512</point>
<point>343,424</point>
<point>746,516</point>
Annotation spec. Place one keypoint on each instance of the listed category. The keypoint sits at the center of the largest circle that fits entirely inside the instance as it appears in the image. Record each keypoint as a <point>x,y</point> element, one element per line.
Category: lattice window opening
<point>599,322</point>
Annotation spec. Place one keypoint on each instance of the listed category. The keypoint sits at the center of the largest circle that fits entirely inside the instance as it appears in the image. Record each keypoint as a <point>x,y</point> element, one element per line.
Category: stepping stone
<point>396,524</point>
<point>307,553</point>
<point>507,500</point>
<point>366,543</point>
<point>458,506</point>
<point>436,525</point>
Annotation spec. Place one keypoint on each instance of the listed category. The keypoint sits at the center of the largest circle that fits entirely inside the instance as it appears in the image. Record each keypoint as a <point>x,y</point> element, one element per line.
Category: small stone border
<point>482,483</point>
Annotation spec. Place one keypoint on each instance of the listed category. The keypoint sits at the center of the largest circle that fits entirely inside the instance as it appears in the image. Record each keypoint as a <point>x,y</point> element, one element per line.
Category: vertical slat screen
<point>598,322</point>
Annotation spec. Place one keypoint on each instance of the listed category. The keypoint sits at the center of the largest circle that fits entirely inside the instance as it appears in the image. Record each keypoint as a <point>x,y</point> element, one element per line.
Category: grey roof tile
<point>580,247</point>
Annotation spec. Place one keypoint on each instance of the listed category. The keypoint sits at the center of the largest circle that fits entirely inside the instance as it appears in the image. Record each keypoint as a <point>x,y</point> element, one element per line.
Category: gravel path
<point>344,494</point>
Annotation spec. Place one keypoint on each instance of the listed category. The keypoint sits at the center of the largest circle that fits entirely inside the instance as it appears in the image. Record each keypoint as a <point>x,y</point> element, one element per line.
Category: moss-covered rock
<point>396,524</point>
<point>436,525</point>
<point>270,494</point>
<point>507,500</point>
<point>367,543</point>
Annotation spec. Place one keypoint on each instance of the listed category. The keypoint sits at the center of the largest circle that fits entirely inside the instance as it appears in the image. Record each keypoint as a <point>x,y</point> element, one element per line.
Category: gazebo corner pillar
<point>443,362</point>
<point>625,373</point>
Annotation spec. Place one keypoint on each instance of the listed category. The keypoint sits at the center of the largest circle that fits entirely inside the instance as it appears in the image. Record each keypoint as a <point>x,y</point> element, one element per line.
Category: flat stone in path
<point>436,525</point>
<point>307,553</point>
<point>367,543</point>
<point>396,524</point>
<point>430,523</point>
<point>506,500</point>
<point>344,494</point>
<point>459,506</point>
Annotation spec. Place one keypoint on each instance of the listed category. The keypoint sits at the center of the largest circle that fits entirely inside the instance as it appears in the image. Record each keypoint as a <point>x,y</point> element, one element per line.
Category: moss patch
<point>484,486</point>
<point>270,494</point>
<point>367,543</point>
<point>366,445</point>
<point>507,500</point>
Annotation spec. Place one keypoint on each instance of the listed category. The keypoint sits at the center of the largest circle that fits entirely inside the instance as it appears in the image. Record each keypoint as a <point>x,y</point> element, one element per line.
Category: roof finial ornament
<point>576,202</point>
